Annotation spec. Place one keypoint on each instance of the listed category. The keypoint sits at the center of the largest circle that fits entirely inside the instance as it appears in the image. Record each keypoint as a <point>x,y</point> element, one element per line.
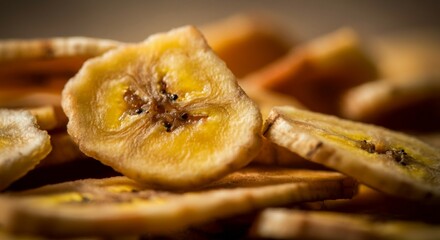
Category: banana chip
<point>246,42</point>
<point>173,112</point>
<point>118,205</point>
<point>22,145</point>
<point>404,105</point>
<point>388,161</point>
<point>294,224</point>
<point>318,72</point>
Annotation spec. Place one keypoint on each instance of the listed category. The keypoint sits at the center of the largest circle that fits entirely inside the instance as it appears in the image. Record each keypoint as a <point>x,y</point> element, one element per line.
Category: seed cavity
<point>159,104</point>
<point>398,155</point>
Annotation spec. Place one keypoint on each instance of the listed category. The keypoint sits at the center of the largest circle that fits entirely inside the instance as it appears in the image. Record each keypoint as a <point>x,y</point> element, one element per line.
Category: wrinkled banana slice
<point>166,112</point>
<point>317,72</point>
<point>295,224</point>
<point>246,41</point>
<point>22,145</point>
<point>119,205</point>
<point>388,161</point>
<point>48,56</point>
<point>406,105</point>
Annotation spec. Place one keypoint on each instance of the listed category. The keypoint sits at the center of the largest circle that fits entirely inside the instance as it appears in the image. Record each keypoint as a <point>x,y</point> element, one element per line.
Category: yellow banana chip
<point>388,161</point>
<point>166,111</point>
<point>295,224</point>
<point>118,205</point>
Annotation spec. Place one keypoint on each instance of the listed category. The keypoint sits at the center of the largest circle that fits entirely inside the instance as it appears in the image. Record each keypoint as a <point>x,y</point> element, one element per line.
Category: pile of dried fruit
<point>102,139</point>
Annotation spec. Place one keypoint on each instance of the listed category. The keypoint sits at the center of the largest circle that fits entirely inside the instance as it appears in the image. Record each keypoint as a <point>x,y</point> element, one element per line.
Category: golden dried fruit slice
<point>388,161</point>
<point>22,145</point>
<point>317,72</point>
<point>246,41</point>
<point>115,206</point>
<point>52,56</point>
<point>295,224</point>
<point>404,105</point>
<point>166,112</point>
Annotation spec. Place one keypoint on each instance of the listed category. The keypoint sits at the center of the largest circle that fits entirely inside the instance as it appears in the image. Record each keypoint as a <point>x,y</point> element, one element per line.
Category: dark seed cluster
<point>162,105</point>
<point>398,155</point>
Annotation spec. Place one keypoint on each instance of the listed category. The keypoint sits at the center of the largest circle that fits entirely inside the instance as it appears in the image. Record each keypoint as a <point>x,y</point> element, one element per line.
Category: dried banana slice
<point>22,145</point>
<point>115,206</point>
<point>388,161</point>
<point>404,105</point>
<point>247,41</point>
<point>295,224</point>
<point>166,112</point>
<point>318,72</point>
<point>19,58</point>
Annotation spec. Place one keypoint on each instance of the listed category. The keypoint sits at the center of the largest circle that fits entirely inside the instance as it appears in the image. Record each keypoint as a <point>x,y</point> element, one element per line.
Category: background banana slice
<point>317,72</point>
<point>391,162</point>
<point>410,105</point>
<point>246,41</point>
<point>22,145</point>
<point>52,56</point>
<point>119,205</point>
<point>295,224</point>
<point>166,111</point>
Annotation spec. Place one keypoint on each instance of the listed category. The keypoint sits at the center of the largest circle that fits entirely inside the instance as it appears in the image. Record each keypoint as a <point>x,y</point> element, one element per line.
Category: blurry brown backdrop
<point>134,20</point>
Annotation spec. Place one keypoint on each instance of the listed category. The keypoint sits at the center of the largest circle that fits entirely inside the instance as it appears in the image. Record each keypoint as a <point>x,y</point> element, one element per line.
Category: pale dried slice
<point>119,205</point>
<point>48,56</point>
<point>388,161</point>
<point>295,224</point>
<point>406,104</point>
<point>64,150</point>
<point>317,72</point>
<point>22,145</point>
<point>247,41</point>
<point>166,111</point>
<point>46,117</point>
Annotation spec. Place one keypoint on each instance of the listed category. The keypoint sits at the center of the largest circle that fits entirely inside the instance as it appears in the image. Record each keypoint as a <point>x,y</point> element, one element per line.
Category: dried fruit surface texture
<point>389,161</point>
<point>167,112</point>
<point>22,145</point>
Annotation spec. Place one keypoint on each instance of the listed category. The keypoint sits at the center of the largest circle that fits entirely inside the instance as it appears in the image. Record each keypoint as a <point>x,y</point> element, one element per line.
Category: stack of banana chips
<point>218,133</point>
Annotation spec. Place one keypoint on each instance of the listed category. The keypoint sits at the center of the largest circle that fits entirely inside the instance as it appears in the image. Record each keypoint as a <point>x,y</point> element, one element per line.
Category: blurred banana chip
<point>246,41</point>
<point>388,161</point>
<point>52,56</point>
<point>118,205</point>
<point>295,224</point>
<point>317,72</point>
<point>405,105</point>
<point>22,145</point>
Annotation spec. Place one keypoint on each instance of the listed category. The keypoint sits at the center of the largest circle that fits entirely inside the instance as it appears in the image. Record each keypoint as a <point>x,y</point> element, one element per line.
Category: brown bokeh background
<point>134,20</point>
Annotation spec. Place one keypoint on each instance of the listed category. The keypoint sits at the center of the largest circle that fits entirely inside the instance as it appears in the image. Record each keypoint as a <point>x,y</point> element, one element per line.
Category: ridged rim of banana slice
<point>388,161</point>
<point>121,206</point>
<point>296,224</point>
<point>17,49</point>
<point>22,145</point>
<point>166,111</point>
